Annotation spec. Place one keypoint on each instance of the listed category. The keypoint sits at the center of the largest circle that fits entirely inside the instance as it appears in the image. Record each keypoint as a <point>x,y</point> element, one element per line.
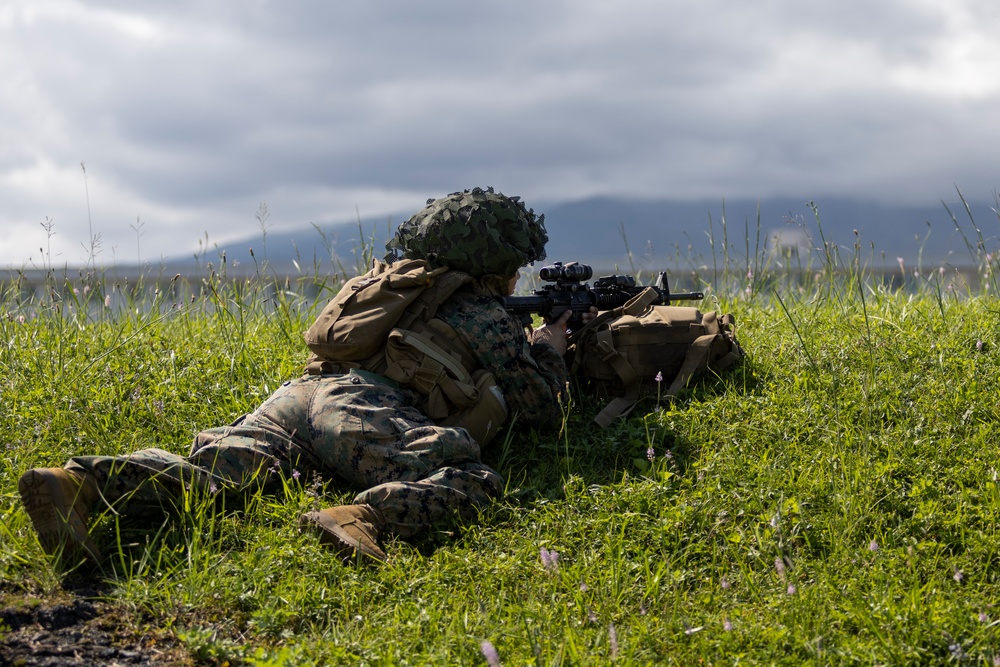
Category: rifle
<point>569,291</point>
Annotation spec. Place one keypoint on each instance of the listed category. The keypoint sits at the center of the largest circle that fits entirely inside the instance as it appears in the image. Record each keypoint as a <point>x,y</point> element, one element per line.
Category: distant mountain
<point>678,235</point>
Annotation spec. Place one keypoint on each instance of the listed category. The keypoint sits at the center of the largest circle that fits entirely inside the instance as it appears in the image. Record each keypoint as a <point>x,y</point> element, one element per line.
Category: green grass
<point>834,500</point>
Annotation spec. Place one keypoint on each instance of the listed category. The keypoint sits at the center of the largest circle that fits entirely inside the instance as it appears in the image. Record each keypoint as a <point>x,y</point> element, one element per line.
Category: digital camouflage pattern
<point>358,433</point>
<point>480,232</point>
<point>344,428</point>
<point>533,378</point>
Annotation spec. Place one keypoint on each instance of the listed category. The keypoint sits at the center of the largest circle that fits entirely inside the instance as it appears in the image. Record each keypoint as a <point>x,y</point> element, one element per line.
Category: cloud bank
<point>156,126</point>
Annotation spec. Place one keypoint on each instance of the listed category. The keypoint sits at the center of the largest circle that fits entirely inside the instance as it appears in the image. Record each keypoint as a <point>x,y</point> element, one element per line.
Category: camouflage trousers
<point>350,429</point>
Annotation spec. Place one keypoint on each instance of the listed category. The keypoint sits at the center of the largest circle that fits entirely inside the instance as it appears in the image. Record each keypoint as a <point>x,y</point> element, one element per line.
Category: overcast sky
<point>188,115</point>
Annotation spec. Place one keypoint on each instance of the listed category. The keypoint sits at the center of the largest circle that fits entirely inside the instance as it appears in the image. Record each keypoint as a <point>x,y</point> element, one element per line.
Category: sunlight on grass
<point>833,500</point>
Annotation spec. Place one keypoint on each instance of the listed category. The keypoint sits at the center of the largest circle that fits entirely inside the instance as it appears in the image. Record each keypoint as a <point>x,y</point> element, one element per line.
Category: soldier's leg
<point>233,459</point>
<point>416,473</point>
<point>409,508</point>
<point>224,461</point>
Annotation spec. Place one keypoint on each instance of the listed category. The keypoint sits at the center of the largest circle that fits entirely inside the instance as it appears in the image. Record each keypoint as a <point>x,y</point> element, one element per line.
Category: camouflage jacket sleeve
<point>533,378</point>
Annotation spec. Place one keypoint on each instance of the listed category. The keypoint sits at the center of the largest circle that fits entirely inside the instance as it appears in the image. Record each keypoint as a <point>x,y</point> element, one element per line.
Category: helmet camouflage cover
<point>477,231</point>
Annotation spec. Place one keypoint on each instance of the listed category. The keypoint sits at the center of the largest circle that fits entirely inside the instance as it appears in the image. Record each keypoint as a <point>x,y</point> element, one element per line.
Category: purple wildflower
<point>659,376</point>
<point>550,560</point>
<point>490,653</point>
<point>295,474</point>
<point>650,454</point>
<point>792,590</point>
<point>983,618</point>
<point>873,546</point>
<point>727,625</point>
<point>779,565</point>
<point>213,489</point>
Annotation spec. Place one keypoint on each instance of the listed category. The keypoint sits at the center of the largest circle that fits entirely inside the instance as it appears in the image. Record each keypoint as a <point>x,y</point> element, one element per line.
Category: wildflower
<point>779,566</point>
<point>873,546</point>
<point>983,618</point>
<point>296,475</point>
<point>613,640</point>
<point>650,454</point>
<point>957,652</point>
<point>107,300</point>
<point>727,625</point>
<point>979,345</point>
<point>583,587</point>
<point>792,590</point>
<point>958,576</point>
<point>490,653</point>
<point>659,376</point>
<point>550,560</point>
<point>724,583</point>
<point>213,489</point>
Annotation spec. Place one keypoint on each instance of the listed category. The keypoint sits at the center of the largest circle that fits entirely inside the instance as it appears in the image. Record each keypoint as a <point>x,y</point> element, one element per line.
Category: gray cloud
<point>190,114</point>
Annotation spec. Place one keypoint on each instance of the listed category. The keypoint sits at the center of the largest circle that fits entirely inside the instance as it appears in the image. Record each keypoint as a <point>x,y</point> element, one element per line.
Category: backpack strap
<point>623,404</point>
<point>634,306</point>
<point>695,360</point>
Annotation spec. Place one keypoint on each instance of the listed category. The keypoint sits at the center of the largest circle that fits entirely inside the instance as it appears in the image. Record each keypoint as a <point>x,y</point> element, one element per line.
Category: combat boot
<point>58,502</point>
<point>349,530</point>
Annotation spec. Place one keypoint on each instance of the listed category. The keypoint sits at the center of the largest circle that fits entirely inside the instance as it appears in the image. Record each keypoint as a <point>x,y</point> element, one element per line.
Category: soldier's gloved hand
<point>553,333</point>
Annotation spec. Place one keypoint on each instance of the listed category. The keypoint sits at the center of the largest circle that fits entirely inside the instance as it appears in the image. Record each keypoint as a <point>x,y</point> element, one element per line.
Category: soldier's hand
<point>553,333</point>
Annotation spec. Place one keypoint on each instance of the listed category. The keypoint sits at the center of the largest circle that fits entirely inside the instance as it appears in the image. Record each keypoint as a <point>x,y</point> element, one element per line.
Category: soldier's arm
<point>533,378</point>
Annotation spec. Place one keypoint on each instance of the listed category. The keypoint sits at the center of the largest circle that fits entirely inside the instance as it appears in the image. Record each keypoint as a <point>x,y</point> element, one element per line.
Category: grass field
<point>834,500</point>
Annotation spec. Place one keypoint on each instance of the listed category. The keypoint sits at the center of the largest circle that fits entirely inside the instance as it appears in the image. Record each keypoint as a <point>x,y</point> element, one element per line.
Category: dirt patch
<point>63,629</point>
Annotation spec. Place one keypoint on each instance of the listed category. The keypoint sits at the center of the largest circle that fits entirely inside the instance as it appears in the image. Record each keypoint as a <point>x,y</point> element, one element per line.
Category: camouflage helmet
<point>478,231</point>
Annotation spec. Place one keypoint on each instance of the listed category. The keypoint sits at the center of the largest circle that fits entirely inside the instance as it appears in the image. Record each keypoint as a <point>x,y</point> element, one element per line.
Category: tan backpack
<point>650,350</point>
<point>383,322</point>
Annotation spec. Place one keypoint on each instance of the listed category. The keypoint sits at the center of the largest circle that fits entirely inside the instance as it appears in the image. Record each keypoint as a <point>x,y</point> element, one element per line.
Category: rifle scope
<point>572,272</point>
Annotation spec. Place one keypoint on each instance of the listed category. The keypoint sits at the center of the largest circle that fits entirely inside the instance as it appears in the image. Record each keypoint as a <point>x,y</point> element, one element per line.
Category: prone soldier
<point>355,426</point>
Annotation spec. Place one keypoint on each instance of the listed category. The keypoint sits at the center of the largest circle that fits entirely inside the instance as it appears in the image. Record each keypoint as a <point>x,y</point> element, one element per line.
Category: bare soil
<point>70,628</point>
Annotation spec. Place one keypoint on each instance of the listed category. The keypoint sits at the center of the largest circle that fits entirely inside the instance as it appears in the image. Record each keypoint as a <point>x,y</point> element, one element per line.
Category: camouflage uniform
<point>360,430</point>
